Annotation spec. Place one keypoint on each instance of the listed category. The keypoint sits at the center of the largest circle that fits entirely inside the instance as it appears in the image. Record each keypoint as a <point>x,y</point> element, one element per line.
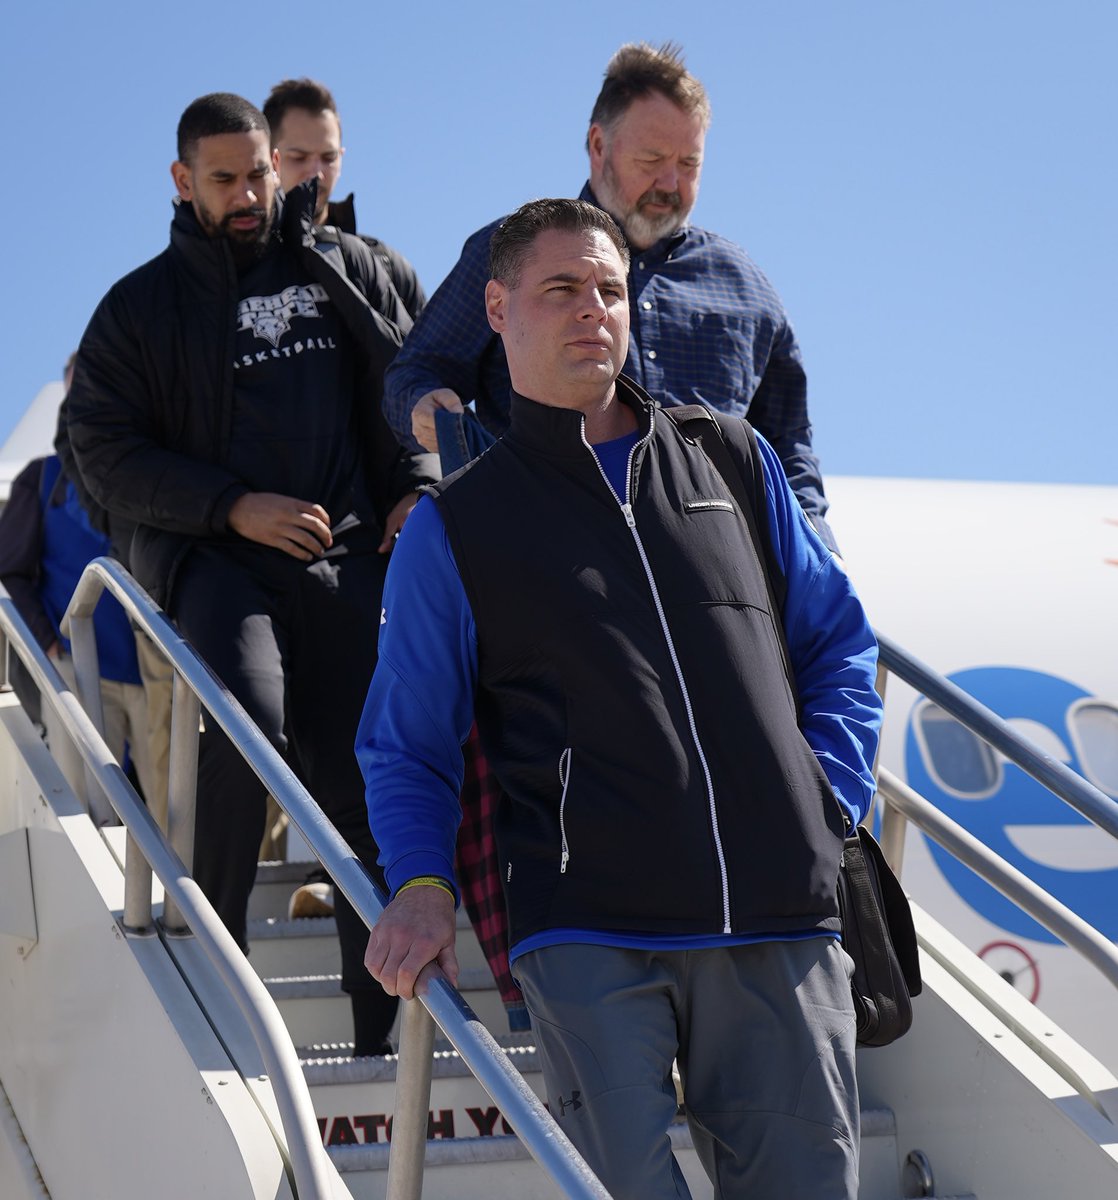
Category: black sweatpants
<point>296,644</point>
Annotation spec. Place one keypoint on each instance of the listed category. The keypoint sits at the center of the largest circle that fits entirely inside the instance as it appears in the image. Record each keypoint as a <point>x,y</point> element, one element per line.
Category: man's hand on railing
<point>416,929</point>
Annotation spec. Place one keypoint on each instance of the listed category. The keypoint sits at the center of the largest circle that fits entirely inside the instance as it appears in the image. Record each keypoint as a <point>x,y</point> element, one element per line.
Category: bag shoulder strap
<point>50,481</point>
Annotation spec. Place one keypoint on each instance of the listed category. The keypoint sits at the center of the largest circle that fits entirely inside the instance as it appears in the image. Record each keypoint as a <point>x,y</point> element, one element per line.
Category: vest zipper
<point>564,779</point>
<point>631,521</point>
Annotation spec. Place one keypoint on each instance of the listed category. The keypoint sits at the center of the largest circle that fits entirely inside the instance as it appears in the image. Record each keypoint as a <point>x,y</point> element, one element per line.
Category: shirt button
<point>652,354</point>
<point>647,305</point>
<point>641,265</point>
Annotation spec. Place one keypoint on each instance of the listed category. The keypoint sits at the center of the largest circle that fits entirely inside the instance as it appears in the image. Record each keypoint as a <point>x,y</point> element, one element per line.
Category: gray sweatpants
<point>764,1038</point>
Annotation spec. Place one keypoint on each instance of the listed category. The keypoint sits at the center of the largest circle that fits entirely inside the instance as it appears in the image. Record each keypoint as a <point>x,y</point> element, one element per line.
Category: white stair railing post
<point>87,672</point>
<point>182,785</point>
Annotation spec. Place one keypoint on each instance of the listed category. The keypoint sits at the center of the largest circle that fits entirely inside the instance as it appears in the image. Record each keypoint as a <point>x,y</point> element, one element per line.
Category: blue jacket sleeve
<point>420,705</point>
<point>831,645</point>
<point>448,344</point>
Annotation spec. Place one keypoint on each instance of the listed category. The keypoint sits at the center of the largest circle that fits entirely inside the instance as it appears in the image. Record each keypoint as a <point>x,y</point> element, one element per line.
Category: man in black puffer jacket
<point>226,411</point>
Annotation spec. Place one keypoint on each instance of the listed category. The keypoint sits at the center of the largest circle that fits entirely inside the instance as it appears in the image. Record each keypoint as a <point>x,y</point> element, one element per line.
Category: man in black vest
<point>682,740</point>
<point>226,412</point>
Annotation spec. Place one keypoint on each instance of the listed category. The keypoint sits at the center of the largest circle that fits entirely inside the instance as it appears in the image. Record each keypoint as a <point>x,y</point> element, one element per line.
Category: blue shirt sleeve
<point>420,705</point>
<point>831,645</point>
<point>448,345</point>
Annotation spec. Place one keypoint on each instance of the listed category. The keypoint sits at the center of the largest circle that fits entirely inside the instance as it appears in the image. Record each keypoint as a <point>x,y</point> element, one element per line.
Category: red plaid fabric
<point>479,875</point>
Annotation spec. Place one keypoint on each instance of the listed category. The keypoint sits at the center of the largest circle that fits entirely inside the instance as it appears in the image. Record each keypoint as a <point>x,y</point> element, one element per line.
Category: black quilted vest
<point>631,695</point>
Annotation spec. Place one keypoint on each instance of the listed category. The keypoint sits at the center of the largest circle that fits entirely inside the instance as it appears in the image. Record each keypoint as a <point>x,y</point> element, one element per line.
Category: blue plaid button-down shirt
<point>705,326</point>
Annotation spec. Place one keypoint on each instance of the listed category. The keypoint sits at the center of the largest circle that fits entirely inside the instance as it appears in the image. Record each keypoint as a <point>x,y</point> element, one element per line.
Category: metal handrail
<point>1030,897</point>
<point>542,1137</point>
<point>1077,934</point>
<point>903,804</point>
<point>309,1163</point>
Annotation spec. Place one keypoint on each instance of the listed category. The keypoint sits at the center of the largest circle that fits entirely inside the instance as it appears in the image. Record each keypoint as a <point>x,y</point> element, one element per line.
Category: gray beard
<point>641,231</point>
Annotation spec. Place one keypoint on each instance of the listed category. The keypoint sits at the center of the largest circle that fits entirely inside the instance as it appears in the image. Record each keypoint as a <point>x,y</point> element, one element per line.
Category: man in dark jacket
<point>307,140</point>
<point>226,406</point>
<point>680,750</point>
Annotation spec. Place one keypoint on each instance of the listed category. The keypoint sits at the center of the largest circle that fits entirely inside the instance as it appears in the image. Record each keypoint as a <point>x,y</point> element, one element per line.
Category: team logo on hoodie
<point>269,317</point>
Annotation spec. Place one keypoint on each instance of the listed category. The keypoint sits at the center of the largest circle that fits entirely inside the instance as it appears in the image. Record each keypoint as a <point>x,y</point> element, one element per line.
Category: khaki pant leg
<point>62,749</point>
<point>273,846</point>
<point>158,680</point>
<point>128,703</point>
<point>116,717</point>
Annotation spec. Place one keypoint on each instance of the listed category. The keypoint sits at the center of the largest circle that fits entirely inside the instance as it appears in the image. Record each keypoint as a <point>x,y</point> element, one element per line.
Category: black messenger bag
<point>878,934</point>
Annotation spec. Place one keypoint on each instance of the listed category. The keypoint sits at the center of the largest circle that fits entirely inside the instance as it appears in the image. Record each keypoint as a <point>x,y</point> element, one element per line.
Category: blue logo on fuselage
<point>1011,812</point>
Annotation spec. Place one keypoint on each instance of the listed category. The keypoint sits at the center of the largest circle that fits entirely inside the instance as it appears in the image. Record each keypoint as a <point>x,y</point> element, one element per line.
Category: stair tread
<point>445,1064</point>
<point>317,1052</point>
<point>262,929</point>
<point>270,928</point>
<point>294,871</point>
<point>496,1148</point>
<point>290,987</point>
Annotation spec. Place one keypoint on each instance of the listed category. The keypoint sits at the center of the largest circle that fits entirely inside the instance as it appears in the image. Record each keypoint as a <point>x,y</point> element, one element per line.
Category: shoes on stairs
<point>311,900</point>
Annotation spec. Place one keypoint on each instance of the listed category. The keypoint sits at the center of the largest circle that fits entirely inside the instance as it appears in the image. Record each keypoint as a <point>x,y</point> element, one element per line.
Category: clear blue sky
<point>931,187</point>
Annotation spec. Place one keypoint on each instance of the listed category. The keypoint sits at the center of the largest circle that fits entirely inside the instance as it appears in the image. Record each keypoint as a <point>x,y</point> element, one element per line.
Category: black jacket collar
<point>342,214</point>
<point>293,223</point>
<point>557,432</point>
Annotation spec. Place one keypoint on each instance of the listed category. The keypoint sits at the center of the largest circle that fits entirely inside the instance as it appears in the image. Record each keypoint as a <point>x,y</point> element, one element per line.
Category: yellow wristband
<point>427,881</point>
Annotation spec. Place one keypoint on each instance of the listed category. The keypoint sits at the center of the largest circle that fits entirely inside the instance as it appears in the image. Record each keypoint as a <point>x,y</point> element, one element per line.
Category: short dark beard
<point>247,246</point>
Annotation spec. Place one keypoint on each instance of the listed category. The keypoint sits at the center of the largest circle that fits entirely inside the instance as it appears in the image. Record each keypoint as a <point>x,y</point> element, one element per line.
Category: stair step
<point>275,881</point>
<point>471,1149</point>
<point>354,1100</point>
<point>316,1010</point>
<point>498,1167</point>
<point>309,946</point>
<point>279,947</point>
<point>326,1056</point>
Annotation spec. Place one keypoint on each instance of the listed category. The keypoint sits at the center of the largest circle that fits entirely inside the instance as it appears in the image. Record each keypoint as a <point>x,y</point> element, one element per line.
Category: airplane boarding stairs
<point>140,1060</point>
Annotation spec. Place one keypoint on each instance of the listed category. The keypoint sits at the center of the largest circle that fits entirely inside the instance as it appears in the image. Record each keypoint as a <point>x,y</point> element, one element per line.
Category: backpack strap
<point>745,480</point>
<point>52,483</point>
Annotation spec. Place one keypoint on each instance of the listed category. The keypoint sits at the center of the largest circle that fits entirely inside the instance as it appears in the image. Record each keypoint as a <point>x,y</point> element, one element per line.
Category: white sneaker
<point>311,900</point>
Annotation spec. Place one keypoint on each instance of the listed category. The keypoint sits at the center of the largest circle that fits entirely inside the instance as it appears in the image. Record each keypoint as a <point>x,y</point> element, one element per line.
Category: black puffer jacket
<point>343,215</point>
<point>149,414</point>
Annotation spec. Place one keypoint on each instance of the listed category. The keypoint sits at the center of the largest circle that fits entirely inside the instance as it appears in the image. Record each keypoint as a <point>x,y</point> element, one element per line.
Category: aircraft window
<point>1046,740</point>
<point>958,760</point>
<point>1094,733</point>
